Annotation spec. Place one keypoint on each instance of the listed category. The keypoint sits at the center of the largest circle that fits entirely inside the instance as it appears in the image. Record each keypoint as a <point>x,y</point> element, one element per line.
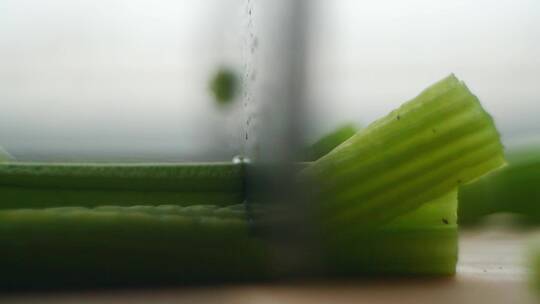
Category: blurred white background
<point>129,79</point>
<point>370,56</point>
<point>115,79</point>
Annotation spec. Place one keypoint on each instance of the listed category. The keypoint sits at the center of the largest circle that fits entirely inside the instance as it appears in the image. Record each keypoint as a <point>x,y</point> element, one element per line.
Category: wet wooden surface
<point>492,269</point>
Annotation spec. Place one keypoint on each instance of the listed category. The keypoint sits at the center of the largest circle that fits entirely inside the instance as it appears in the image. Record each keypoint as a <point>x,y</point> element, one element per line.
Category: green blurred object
<point>224,86</point>
<point>387,196</point>
<point>5,156</point>
<point>329,141</point>
<point>514,189</point>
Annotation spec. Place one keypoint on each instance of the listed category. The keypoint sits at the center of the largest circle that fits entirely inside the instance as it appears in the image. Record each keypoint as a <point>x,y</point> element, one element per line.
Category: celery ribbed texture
<point>41,185</point>
<point>426,148</point>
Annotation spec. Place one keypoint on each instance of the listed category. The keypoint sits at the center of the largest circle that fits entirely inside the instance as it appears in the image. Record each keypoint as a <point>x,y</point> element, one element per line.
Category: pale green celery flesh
<point>421,151</point>
<point>421,242</point>
<point>35,185</point>
<point>75,246</point>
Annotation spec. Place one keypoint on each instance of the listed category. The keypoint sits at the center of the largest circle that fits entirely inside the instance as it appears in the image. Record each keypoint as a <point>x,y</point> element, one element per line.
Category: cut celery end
<point>330,141</point>
<point>69,247</point>
<point>421,242</point>
<point>421,151</point>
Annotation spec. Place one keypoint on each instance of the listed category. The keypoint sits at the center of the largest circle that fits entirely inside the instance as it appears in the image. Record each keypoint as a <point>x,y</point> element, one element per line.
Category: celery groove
<point>35,185</point>
<point>426,148</point>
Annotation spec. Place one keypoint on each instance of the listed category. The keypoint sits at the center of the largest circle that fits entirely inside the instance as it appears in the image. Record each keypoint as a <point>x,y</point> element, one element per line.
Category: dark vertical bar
<point>276,41</point>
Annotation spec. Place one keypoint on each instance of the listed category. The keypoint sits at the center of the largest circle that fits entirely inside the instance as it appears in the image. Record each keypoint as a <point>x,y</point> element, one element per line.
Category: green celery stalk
<point>421,242</point>
<point>426,148</point>
<point>329,141</point>
<point>111,245</point>
<point>40,185</point>
<point>513,189</point>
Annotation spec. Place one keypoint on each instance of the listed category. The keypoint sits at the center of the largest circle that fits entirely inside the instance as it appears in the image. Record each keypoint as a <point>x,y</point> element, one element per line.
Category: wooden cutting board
<point>492,269</point>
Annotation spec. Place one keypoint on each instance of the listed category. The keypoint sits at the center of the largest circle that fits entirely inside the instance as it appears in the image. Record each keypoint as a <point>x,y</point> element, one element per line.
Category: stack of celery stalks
<point>386,203</point>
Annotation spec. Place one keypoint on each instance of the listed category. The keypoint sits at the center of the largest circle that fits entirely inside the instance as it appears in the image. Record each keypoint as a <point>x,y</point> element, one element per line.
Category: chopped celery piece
<point>424,241</point>
<point>426,148</point>
<point>513,189</point>
<point>75,246</point>
<point>438,212</point>
<point>35,185</point>
<point>329,141</point>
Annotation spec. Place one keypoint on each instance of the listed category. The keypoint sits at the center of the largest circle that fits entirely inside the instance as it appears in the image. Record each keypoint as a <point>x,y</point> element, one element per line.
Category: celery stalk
<point>427,147</point>
<point>424,241</point>
<point>512,189</point>
<point>36,185</point>
<point>109,245</point>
